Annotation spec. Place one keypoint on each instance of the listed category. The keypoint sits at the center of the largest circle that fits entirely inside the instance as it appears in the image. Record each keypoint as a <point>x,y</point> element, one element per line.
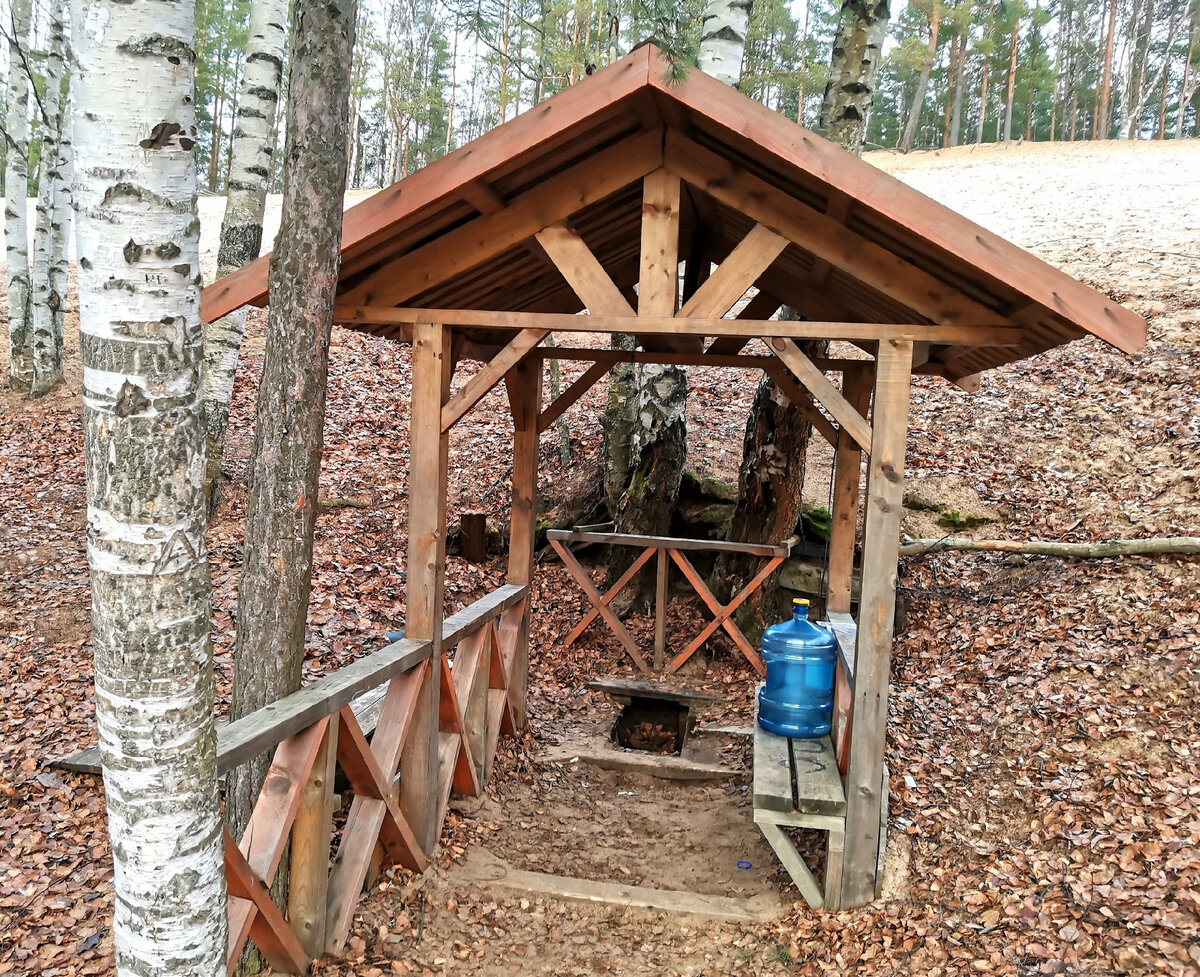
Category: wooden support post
<point>429,447</point>
<point>660,611</point>
<point>524,383</point>
<point>876,618</point>
<point>311,834</point>
<point>847,471</point>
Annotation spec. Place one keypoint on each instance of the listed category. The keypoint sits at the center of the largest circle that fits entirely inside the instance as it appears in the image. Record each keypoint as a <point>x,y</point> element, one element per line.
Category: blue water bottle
<point>797,699</point>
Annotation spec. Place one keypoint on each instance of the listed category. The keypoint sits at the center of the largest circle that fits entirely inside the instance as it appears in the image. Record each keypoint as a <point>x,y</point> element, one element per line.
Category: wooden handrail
<point>251,735</point>
<point>783,549</point>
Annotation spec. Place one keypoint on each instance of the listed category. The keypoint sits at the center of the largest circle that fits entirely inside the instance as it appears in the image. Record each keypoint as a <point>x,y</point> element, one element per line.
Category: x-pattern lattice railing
<point>674,549</point>
<point>317,732</point>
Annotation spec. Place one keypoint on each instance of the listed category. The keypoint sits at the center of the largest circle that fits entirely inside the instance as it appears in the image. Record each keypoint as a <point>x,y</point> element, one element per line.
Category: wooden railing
<point>315,732</point>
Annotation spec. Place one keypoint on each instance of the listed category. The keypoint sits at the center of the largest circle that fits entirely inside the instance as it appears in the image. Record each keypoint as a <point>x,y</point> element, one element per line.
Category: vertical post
<point>658,281</point>
<point>876,617</point>
<point>428,450</point>
<point>660,611</point>
<point>524,383</point>
<point>847,470</point>
<point>311,833</point>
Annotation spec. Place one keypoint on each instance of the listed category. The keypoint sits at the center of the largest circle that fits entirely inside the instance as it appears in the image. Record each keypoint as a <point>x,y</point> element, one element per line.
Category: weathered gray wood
<point>371,672</point>
<point>632,687</point>
<point>794,864</point>
<point>485,869</point>
<point>845,630</point>
<point>876,619</point>
<point>670,542</point>
<point>263,729</point>
<point>819,787</point>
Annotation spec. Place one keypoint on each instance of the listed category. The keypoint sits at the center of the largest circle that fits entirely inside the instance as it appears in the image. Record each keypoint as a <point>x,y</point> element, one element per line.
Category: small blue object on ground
<point>743,864</point>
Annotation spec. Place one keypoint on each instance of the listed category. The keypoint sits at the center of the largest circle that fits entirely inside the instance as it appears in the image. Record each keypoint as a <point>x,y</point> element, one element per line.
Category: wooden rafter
<point>851,421</point>
<point>490,376</point>
<point>582,385</point>
<point>486,237</point>
<point>876,267</point>
<point>763,306</point>
<point>586,276</point>
<point>736,274</point>
<point>800,398</point>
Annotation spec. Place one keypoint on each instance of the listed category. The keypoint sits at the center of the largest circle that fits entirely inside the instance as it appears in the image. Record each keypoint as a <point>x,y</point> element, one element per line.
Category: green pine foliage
<point>429,76</point>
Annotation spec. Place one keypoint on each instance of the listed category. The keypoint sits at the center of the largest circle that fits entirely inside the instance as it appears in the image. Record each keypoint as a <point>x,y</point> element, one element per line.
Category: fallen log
<point>1178,545</point>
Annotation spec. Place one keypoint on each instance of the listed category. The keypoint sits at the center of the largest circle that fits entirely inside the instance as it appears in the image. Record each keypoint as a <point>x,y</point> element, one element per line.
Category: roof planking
<point>458,234</point>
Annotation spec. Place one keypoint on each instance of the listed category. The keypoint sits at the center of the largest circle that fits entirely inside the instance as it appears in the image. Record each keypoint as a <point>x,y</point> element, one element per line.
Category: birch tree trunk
<point>850,91</point>
<point>286,461</point>
<point>64,210</point>
<point>723,39</point>
<point>44,340</point>
<point>139,294</point>
<point>241,227</point>
<point>16,207</point>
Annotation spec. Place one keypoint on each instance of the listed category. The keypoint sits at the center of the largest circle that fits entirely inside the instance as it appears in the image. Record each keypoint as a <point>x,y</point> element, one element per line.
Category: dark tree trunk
<point>768,509</point>
<point>645,426</point>
<point>285,467</point>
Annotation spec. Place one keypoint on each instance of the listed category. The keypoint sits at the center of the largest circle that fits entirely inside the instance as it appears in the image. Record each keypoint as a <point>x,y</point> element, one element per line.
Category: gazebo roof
<point>861,246</point>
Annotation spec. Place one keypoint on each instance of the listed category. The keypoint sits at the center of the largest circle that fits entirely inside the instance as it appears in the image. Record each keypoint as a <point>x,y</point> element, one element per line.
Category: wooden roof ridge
<point>889,196</point>
<point>748,134</point>
<point>444,177</point>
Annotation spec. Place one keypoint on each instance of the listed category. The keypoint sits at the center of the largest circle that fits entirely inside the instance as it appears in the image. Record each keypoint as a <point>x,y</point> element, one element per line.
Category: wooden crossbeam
<point>583,272</point>
<point>368,780</point>
<point>997,333</point>
<point>851,421</point>
<point>762,306</point>
<point>609,596</point>
<point>501,646</point>
<point>822,236</point>
<point>837,208</point>
<point>450,720</point>
<point>554,199</point>
<point>585,583</point>
<point>736,274</point>
<point>568,397</point>
<point>266,835</point>
<point>801,399</point>
<point>269,930</point>
<point>490,375</point>
<point>722,613</point>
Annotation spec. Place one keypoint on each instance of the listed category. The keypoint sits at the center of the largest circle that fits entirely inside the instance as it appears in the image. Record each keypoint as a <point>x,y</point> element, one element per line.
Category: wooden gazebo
<point>592,201</point>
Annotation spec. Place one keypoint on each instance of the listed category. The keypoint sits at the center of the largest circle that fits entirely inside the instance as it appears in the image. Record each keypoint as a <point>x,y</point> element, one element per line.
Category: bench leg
<point>835,845</point>
<point>794,864</point>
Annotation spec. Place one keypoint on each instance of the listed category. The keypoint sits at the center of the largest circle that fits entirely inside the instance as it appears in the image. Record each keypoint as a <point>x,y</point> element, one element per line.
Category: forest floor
<point>1043,739</point>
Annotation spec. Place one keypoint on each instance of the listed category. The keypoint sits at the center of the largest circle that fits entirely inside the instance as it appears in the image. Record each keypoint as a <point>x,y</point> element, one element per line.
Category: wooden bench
<point>797,785</point>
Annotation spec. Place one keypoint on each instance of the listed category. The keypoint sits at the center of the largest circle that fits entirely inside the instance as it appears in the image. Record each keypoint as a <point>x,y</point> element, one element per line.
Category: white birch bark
<point>64,210</point>
<point>241,227</point>
<point>16,208</point>
<point>723,39</point>
<point>45,343</point>
<point>138,250</point>
<point>850,91</point>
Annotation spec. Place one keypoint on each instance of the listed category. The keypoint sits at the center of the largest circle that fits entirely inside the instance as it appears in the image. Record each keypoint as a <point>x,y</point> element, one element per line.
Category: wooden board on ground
<point>609,757</point>
<point>628,688</point>
<point>483,868</point>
